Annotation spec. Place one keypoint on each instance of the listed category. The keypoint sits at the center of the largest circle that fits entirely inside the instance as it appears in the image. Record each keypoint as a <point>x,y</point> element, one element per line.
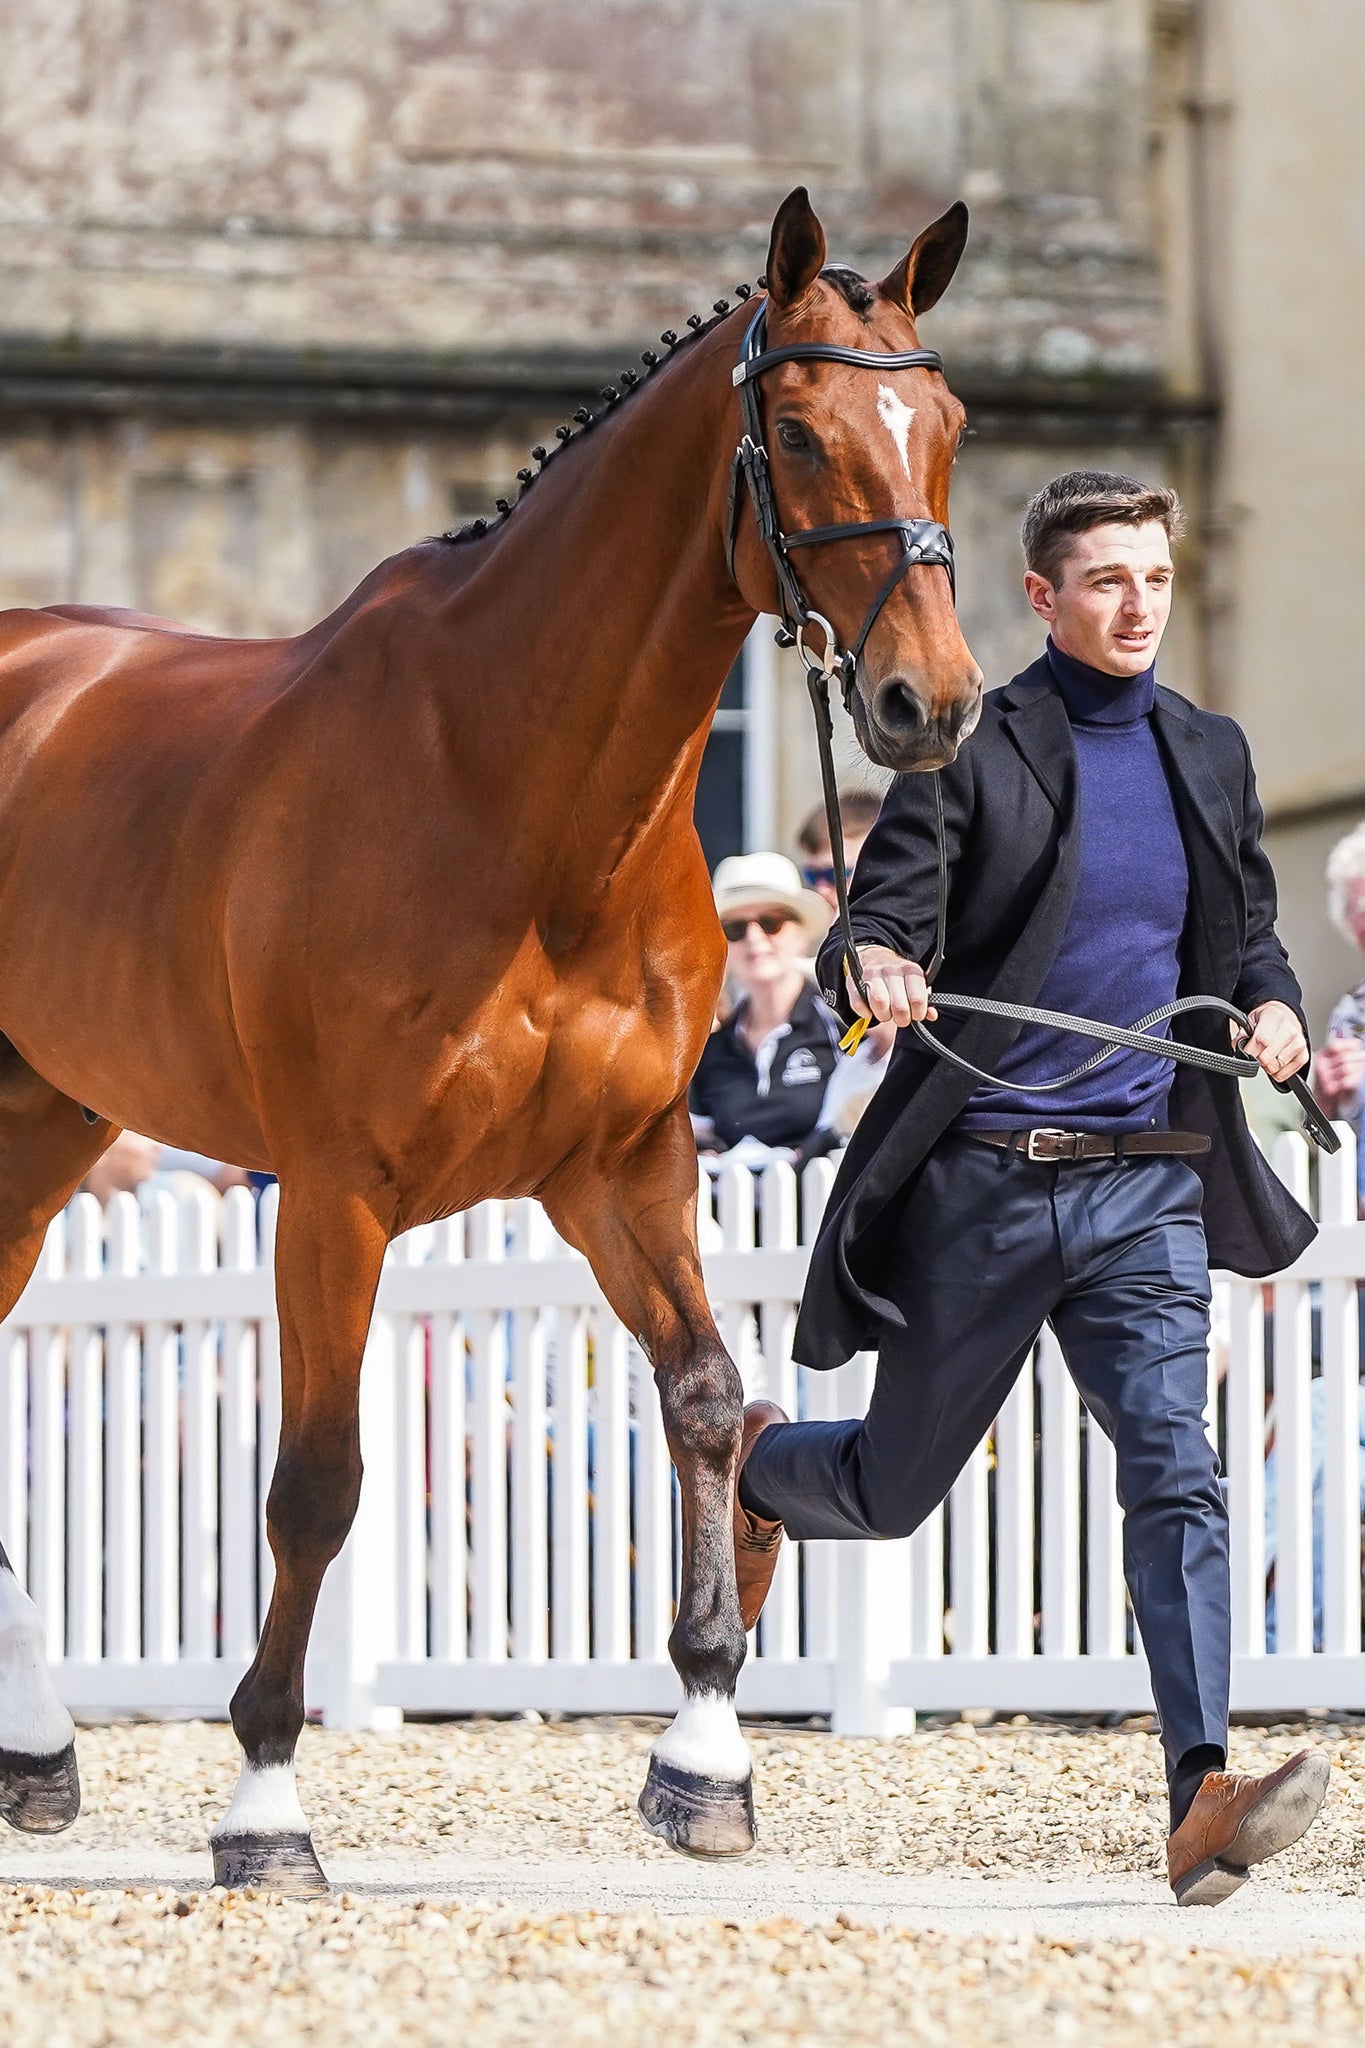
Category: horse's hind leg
<point>328,1253</point>
<point>47,1146</point>
<point>637,1223</point>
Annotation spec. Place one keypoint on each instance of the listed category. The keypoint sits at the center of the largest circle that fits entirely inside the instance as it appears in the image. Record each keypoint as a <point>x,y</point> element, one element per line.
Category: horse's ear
<point>924,274</point>
<point>796,251</point>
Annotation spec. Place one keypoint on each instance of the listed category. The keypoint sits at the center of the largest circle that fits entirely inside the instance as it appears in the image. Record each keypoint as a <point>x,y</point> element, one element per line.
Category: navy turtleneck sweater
<point>1120,954</point>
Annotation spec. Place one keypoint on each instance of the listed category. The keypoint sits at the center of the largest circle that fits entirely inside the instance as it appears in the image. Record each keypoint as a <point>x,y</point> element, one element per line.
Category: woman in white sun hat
<point>764,1071</point>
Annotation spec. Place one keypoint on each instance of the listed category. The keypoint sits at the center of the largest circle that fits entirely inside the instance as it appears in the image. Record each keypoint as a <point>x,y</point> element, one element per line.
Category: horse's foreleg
<point>47,1145</point>
<point>327,1261</point>
<point>637,1224</point>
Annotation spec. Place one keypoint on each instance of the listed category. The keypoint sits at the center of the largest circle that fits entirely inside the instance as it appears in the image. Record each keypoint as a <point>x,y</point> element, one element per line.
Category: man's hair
<point>1083,498</point>
<point>858,812</point>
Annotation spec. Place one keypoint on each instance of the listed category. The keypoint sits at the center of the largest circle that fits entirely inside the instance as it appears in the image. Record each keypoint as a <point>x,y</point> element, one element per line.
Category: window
<point>734,809</point>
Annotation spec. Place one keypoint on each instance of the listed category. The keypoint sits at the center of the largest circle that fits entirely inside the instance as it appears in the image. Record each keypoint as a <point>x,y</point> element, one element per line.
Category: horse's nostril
<point>899,711</point>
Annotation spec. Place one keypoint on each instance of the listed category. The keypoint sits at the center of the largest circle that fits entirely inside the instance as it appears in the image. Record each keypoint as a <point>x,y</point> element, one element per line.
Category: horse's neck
<point>613,619</point>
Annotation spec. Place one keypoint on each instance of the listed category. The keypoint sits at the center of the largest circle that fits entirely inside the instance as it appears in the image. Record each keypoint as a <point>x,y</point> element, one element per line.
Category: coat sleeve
<point>1266,974</point>
<point>893,898</point>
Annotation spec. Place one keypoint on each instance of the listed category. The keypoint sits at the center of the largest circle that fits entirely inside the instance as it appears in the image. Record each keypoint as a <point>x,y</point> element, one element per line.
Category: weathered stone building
<point>284,286</point>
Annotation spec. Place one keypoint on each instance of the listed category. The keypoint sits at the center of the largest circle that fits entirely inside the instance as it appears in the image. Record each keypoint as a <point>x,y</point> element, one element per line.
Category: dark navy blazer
<point>1009,804</point>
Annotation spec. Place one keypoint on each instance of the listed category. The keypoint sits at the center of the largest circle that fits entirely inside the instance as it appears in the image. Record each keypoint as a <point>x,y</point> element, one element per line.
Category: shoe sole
<point>1274,1823</point>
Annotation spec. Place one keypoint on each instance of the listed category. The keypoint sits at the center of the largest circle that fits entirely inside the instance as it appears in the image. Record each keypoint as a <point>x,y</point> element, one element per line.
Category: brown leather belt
<point>1051,1145</point>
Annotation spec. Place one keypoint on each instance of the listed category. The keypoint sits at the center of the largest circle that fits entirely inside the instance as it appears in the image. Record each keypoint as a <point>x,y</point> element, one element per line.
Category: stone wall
<point>520,174</point>
<point>283,287</point>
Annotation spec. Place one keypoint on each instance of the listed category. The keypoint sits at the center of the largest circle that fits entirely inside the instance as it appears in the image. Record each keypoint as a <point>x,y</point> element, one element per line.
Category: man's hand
<point>896,988</point>
<point>1277,1042</point>
<point>1338,1070</point>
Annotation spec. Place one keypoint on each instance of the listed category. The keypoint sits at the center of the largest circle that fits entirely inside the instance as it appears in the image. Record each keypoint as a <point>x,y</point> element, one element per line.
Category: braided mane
<point>612,395</point>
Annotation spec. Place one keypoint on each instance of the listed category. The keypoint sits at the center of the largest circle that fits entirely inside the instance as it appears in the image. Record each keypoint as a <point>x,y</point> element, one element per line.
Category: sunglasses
<point>813,877</point>
<point>770,923</point>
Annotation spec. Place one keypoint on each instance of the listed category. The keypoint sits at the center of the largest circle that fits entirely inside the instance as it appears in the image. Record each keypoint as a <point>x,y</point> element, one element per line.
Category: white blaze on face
<point>896,416</point>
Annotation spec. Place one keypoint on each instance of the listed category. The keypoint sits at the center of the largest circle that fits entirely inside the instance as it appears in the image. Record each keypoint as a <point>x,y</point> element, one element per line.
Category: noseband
<point>923,541</point>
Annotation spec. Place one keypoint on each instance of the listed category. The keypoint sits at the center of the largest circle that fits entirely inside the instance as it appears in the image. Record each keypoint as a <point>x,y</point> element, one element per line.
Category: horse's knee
<point>702,1399</point>
<point>312,1501</point>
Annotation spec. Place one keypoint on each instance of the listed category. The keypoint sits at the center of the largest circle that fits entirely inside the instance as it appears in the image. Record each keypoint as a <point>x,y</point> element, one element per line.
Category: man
<point>858,810</point>
<point>1103,837</point>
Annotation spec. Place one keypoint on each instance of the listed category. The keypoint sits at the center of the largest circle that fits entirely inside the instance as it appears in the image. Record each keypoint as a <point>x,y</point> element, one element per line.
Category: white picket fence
<point>517,1543</point>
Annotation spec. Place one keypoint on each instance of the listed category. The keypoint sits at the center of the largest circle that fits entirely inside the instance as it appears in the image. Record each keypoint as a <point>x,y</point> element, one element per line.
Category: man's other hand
<point>1338,1070</point>
<point>1277,1042</point>
<point>896,988</point>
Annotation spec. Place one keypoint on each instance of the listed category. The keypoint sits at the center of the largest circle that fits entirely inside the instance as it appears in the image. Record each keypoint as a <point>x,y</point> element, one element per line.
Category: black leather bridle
<point>925,543</point>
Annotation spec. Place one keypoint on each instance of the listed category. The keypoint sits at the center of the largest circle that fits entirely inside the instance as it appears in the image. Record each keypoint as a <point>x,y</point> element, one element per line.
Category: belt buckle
<point>1049,1132</point>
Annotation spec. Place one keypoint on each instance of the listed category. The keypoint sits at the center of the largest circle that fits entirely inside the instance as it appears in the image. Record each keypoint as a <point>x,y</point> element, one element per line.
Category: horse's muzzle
<point>900,732</point>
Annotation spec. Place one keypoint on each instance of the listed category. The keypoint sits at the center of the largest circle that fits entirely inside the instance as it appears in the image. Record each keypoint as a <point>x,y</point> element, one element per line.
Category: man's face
<point>1112,599</point>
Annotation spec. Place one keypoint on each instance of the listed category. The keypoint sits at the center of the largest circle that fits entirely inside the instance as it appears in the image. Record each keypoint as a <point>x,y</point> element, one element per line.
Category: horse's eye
<point>793,435</point>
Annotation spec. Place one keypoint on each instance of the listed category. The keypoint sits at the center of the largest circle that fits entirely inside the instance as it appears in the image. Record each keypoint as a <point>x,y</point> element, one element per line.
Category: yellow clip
<point>853,1037</point>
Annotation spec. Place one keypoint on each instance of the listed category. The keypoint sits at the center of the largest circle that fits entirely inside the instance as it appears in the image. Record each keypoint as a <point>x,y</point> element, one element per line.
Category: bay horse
<point>410,910</point>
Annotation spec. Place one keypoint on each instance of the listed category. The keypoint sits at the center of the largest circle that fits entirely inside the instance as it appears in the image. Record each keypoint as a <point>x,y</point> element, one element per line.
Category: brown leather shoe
<point>756,1542</point>
<point>1236,1822</point>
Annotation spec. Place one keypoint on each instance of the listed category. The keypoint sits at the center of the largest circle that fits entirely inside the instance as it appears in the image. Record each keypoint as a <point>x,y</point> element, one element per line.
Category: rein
<point>1138,1037</point>
<point>927,543</point>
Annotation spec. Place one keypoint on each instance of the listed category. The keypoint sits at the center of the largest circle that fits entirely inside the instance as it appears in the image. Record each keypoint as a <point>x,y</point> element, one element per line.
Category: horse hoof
<point>698,1816</point>
<point>283,1862</point>
<point>40,1795</point>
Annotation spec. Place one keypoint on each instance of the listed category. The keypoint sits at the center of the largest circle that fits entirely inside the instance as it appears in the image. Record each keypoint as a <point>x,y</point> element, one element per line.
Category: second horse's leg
<point>637,1224</point>
<point>47,1145</point>
<point>328,1254</point>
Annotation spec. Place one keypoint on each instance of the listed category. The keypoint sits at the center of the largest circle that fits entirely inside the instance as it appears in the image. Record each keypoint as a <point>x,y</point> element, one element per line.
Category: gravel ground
<point>105,1970</point>
<point>112,1969</point>
<point>1004,1800</point>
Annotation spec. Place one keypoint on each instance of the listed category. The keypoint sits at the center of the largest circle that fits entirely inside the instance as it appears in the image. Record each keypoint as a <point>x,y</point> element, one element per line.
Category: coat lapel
<point>1036,721</point>
<point>1209,830</point>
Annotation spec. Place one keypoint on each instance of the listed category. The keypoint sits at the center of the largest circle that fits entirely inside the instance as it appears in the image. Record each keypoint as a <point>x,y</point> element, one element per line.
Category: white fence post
<point>873,1609</point>
<point>1292,1416</point>
<point>1341,1433</point>
<point>355,1628</point>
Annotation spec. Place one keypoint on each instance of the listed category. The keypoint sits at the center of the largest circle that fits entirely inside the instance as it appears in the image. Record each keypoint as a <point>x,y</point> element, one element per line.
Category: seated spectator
<point>1339,1064</point>
<point>858,813</point>
<point>136,1165</point>
<point>855,1080</point>
<point>764,1070</point>
<point>126,1166</point>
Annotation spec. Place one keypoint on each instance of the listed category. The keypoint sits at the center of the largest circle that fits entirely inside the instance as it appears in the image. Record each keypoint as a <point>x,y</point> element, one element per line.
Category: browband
<point>829,352</point>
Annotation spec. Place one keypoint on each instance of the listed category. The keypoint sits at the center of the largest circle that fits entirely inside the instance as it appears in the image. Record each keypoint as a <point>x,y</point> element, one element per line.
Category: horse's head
<point>849,444</point>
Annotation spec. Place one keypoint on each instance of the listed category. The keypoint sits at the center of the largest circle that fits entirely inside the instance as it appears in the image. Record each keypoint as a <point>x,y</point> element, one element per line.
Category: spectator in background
<point>134,1163</point>
<point>765,1069</point>
<point>1339,1064</point>
<point>855,1080</point>
<point>858,809</point>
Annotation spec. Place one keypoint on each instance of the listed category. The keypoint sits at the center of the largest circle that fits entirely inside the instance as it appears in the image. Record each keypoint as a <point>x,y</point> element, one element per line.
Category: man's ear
<point>1040,595</point>
<point>925,272</point>
<point>796,252</point>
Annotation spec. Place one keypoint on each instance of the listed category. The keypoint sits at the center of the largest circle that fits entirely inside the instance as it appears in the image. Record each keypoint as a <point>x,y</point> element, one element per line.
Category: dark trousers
<point>989,1246</point>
